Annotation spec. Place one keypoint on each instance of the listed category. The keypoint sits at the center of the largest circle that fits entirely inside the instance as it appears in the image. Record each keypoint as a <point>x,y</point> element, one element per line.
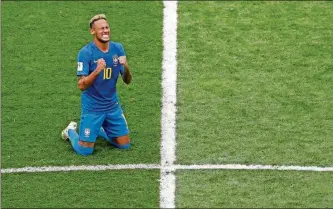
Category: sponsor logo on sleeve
<point>79,66</point>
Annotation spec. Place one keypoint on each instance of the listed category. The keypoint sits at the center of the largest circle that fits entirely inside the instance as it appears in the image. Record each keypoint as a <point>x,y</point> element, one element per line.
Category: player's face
<point>101,30</point>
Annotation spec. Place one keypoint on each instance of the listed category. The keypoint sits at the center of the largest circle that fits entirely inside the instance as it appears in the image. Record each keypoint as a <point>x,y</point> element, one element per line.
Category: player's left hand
<point>122,60</point>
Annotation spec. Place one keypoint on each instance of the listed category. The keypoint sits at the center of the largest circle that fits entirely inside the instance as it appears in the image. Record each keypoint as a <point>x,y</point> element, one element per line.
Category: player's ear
<point>92,31</point>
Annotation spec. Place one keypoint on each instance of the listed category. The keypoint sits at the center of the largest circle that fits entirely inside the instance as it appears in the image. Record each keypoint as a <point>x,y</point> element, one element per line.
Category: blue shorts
<point>114,124</point>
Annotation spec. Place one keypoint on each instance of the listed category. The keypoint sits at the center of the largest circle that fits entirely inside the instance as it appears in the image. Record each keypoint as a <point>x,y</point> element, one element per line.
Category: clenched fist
<point>100,65</point>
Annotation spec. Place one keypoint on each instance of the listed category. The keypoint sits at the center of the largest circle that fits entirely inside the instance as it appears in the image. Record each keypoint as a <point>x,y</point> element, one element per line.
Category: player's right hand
<point>100,65</point>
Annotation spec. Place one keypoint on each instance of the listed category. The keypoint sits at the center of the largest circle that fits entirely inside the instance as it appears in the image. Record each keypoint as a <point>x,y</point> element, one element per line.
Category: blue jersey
<point>101,96</point>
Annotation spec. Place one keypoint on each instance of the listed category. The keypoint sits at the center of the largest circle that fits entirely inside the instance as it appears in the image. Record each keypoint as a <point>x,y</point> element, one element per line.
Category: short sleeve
<point>121,51</point>
<point>83,60</point>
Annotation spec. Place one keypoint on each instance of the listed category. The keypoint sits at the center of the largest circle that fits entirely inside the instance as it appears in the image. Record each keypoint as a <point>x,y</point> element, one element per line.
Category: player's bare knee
<point>122,142</point>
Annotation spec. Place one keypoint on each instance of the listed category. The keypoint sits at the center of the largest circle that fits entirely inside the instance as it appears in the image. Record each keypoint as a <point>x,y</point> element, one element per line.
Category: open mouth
<point>105,36</point>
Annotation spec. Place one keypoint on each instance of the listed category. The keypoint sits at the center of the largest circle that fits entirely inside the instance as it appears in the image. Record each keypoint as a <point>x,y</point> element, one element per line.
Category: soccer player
<point>99,64</point>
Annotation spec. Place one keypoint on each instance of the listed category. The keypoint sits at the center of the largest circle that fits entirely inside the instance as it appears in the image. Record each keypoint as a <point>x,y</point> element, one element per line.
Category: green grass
<point>97,189</point>
<point>257,77</point>
<point>40,42</point>
<point>254,86</point>
<point>254,189</point>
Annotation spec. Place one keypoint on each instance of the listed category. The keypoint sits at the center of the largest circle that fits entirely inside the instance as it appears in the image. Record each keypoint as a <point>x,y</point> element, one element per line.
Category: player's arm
<point>85,81</point>
<point>126,75</point>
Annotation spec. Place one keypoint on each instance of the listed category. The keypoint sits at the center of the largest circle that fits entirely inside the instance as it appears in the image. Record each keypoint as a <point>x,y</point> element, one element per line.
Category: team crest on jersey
<point>79,66</point>
<point>115,60</point>
<point>86,132</point>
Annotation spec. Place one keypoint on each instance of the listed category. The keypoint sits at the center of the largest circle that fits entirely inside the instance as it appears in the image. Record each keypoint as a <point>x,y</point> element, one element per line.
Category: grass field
<point>254,189</point>
<point>99,189</point>
<point>254,86</point>
<point>258,78</point>
<point>39,89</point>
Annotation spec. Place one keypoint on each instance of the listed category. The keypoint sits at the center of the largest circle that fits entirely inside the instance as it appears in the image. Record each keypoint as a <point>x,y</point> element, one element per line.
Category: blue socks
<point>74,138</point>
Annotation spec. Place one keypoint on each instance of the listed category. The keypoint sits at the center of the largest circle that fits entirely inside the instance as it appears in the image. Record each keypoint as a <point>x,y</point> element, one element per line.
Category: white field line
<point>168,118</point>
<point>252,167</point>
<point>79,168</point>
<point>172,168</point>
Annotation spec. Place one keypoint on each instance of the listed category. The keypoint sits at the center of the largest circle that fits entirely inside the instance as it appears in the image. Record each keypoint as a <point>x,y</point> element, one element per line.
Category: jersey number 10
<point>107,73</point>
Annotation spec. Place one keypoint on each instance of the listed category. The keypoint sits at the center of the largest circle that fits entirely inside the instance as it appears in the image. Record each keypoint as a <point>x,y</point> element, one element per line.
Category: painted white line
<point>253,167</point>
<point>79,168</point>
<point>167,168</point>
<point>168,119</point>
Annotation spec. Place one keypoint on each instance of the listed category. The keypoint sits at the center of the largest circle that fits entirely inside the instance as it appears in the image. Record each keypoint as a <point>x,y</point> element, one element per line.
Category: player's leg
<point>103,134</point>
<point>77,145</point>
<point>121,142</point>
<point>121,139</point>
<point>69,133</point>
<point>116,128</point>
<point>89,127</point>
